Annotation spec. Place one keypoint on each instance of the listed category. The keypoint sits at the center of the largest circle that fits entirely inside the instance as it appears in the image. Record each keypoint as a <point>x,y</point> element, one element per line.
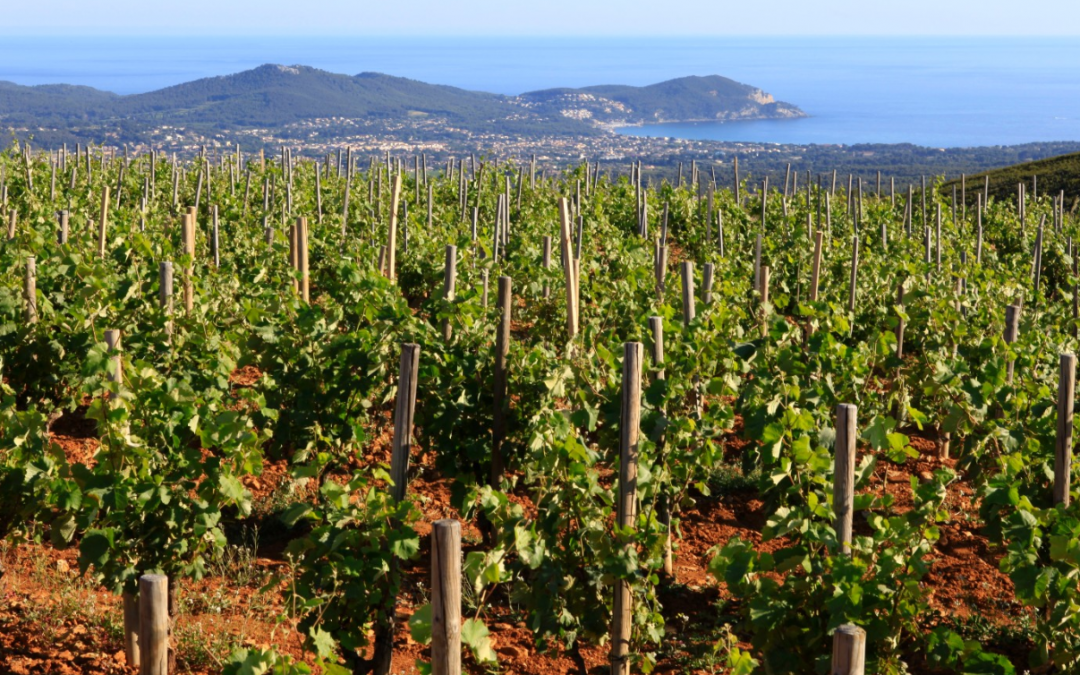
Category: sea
<point>929,91</point>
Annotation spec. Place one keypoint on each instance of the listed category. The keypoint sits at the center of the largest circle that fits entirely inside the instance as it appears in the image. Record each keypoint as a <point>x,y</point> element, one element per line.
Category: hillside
<point>686,99</point>
<point>275,96</point>
<point>1054,174</point>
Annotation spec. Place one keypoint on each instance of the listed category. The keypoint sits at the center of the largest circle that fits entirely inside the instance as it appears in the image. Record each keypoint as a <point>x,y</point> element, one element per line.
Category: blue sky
<point>548,17</point>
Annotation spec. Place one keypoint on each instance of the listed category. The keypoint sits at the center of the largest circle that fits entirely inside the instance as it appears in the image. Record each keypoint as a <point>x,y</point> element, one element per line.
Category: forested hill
<point>711,98</point>
<point>1051,176</point>
<point>272,96</point>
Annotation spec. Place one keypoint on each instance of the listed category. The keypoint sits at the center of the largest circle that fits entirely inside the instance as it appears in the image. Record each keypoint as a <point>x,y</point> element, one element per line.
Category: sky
<point>548,17</point>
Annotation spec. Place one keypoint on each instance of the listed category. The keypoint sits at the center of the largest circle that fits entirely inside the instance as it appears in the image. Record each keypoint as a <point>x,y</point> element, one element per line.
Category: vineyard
<point>710,425</point>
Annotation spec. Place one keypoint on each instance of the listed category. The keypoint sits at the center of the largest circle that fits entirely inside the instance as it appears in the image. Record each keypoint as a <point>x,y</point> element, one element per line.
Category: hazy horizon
<point>553,18</point>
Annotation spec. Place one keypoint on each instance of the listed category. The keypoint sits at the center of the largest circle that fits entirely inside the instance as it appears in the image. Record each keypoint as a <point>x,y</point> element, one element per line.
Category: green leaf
<point>94,548</point>
<point>404,542</point>
<point>322,642</point>
<point>476,635</point>
<point>420,625</point>
<point>740,662</point>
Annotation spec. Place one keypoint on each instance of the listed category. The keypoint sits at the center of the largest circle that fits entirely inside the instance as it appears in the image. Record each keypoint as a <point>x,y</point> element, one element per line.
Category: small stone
<point>62,567</point>
<point>513,652</point>
<point>66,656</point>
<point>120,657</point>
<point>925,477</point>
<point>503,626</point>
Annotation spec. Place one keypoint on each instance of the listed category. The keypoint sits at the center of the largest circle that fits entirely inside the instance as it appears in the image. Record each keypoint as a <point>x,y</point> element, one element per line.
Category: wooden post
<point>626,515</point>
<point>302,258</point>
<point>112,340</point>
<point>1064,440</point>
<point>844,475</point>
<point>103,223</point>
<point>215,240</point>
<point>546,262</point>
<point>569,271</point>
<point>502,350</point>
<point>689,311</point>
<point>404,409</point>
<point>979,231</point>
<point>153,624</point>
<point>757,264</point>
<point>660,269</point>
<point>1012,332</point>
<point>391,240</point>
<point>663,510</point>
<point>446,597</point>
<point>854,272</point>
<point>30,289</point>
<point>449,286</point>
<point>849,651</point>
<point>62,235</point>
<point>13,219</point>
<point>815,270</point>
<point>900,321</point>
<point>707,283</point>
<point>318,195</point>
<point>1075,288</point>
<point>188,232</point>
<point>165,283</point>
<point>764,292</point>
<point>131,629</point>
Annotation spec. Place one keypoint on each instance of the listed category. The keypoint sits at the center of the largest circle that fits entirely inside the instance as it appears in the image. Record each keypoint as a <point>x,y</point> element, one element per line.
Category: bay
<point>933,91</point>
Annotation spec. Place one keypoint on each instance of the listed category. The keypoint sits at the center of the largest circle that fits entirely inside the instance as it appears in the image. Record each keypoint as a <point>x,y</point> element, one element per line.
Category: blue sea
<point>931,91</point>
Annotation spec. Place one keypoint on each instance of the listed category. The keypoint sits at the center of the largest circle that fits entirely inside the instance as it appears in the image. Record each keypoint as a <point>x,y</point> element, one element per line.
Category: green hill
<point>1054,174</point>
<point>273,96</point>
<point>685,99</point>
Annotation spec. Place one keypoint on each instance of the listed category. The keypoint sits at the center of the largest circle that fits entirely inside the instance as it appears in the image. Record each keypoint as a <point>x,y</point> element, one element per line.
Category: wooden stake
<point>30,289</point>
<point>626,515</point>
<point>215,237</point>
<point>391,240</point>
<point>446,597</point>
<point>854,272</point>
<point>1012,332</point>
<point>1064,439</point>
<point>815,270</point>
<point>103,223</point>
<point>569,271</point>
<point>546,263</point>
<point>757,264</point>
<point>153,624</point>
<point>707,283</point>
<point>449,286</point>
<point>689,311</point>
<point>131,629</point>
<point>844,475</point>
<point>849,651</point>
<point>188,223</point>
<point>502,350</point>
<point>663,511</point>
<point>900,321</point>
<point>404,410</point>
<point>302,258</point>
<point>63,220</point>
<point>165,292</point>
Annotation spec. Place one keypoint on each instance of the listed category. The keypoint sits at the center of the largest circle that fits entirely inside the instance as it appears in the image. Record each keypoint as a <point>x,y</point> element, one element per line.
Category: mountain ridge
<point>274,95</point>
